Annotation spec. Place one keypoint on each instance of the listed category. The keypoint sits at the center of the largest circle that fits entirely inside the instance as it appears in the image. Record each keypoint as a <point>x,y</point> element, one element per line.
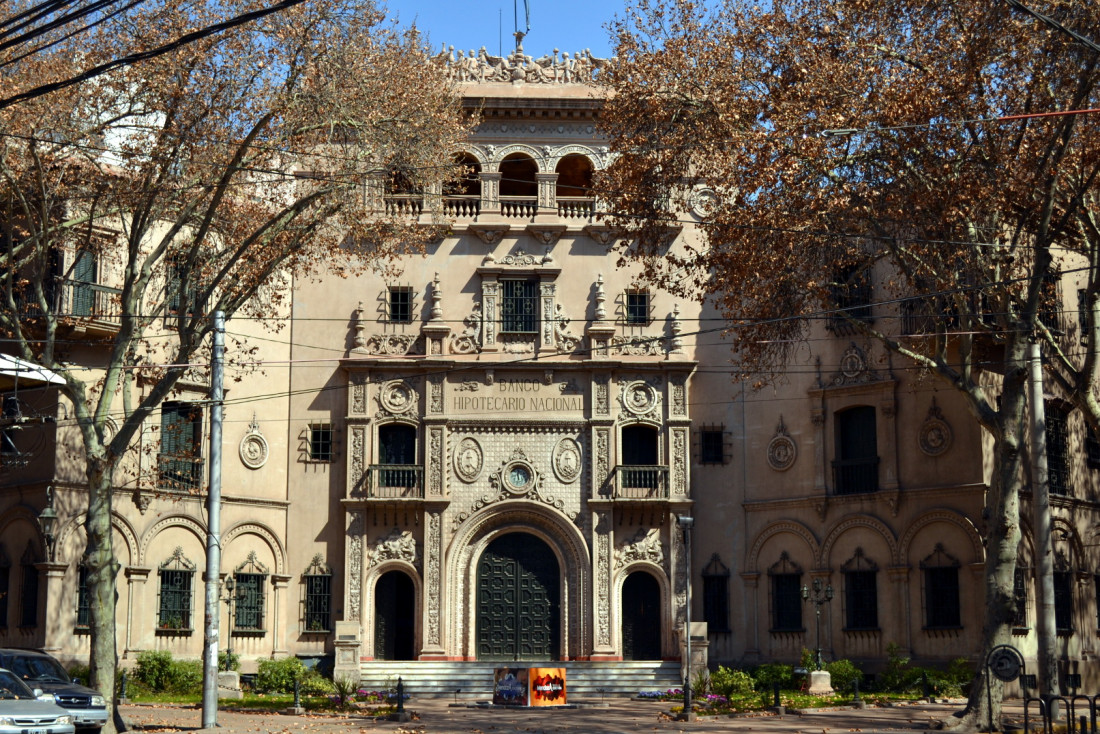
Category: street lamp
<point>686,524</point>
<point>230,600</point>
<point>818,597</point>
<point>47,519</point>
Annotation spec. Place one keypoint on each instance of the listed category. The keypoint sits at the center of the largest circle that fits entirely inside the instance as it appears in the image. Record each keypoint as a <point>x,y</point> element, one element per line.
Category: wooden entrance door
<point>518,615</point>
<point>641,617</point>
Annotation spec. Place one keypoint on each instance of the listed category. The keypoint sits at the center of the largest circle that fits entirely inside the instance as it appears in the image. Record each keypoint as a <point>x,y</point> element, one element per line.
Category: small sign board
<point>510,687</point>
<point>547,686</point>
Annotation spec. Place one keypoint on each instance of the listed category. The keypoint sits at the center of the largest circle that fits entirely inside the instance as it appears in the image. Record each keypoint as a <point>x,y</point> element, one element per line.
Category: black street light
<point>47,519</point>
<point>231,598</point>
<point>820,595</point>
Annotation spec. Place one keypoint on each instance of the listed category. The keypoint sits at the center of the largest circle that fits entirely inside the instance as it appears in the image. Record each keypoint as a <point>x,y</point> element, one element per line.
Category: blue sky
<point>568,25</point>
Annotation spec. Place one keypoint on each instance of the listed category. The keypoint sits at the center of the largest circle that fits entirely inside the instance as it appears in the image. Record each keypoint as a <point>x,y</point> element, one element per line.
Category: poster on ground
<point>510,687</point>
<point>547,686</point>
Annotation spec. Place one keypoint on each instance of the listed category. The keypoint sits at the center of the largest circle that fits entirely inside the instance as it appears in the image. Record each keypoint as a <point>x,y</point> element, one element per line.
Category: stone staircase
<point>584,680</point>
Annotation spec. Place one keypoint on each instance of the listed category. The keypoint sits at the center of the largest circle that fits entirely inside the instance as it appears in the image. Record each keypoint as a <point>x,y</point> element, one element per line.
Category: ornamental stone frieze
<point>645,545</point>
<point>469,341</point>
<point>482,67</point>
<point>637,346</point>
<point>398,545</point>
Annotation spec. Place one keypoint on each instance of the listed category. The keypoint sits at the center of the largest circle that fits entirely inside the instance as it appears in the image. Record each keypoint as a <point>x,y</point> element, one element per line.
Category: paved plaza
<point>439,717</point>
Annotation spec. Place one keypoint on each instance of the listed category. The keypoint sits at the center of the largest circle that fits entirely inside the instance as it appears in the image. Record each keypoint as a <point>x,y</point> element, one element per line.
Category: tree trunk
<point>103,570</point>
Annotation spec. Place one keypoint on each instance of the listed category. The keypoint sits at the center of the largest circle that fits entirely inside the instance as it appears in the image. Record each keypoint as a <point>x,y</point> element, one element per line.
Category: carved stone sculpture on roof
<point>481,67</point>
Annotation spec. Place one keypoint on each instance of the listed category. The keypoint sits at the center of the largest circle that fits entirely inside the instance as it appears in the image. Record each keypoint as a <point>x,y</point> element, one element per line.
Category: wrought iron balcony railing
<point>641,482</point>
<point>395,481</point>
<point>855,476</point>
<point>179,473</point>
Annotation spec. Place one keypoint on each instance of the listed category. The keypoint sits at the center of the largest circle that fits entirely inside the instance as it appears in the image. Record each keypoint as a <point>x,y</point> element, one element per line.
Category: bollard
<point>297,692</point>
<point>122,687</point>
<point>855,686</point>
<point>400,696</point>
<point>775,694</point>
<point>925,687</point>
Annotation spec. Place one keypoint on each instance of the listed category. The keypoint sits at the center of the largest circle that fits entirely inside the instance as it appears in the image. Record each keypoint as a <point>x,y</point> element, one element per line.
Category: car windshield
<point>39,669</point>
<point>12,687</point>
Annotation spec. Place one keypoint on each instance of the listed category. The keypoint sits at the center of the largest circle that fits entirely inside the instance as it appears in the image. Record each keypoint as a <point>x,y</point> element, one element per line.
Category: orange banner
<point>547,686</point>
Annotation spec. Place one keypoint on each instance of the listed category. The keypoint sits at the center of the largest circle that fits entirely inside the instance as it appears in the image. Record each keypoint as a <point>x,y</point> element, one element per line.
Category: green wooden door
<point>518,615</point>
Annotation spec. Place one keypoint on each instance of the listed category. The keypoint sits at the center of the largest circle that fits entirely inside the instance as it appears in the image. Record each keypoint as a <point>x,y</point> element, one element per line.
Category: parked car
<point>40,670</point>
<point>23,712</point>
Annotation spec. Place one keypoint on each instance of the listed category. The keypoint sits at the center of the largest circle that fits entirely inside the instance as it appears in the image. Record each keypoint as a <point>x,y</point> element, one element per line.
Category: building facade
<point>483,453</point>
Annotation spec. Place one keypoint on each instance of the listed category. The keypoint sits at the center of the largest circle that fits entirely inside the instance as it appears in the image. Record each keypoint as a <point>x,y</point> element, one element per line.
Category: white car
<point>23,712</point>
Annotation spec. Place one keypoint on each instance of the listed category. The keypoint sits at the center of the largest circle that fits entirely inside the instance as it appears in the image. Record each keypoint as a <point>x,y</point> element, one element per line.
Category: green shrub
<point>278,676</point>
<point>81,673</point>
<point>730,682</point>
<point>315,684</point>
<point>159,673</point>
<point>843,673</point>
<point>229,661</point>
<point>700,683</point>
<point>896,676</point>
<point>961,671</point>
<point>767,675</point>
<point>185,676</point>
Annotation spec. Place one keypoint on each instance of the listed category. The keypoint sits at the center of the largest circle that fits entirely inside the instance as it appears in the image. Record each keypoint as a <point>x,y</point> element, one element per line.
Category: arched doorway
<point>641,617</point>
<point>518,600</point>
<point>394,617</point>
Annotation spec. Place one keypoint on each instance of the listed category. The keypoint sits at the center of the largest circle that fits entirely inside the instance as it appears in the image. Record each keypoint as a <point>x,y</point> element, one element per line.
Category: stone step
<point>465,680</point>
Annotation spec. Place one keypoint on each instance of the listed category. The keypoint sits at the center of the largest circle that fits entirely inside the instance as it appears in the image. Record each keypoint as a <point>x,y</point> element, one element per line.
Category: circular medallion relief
<point>704,202</point>
<point>851,365</point>
<point>639,398</point>
<point>253,450</point>
<point>567,460</point>
<point>518,477</point>
<point>782,451</point>
<point>934,437</point>
<point>398,397</point>
<point>468,460</point>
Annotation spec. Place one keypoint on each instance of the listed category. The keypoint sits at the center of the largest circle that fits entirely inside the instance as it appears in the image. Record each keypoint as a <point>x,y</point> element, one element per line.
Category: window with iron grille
<point>712,446</point>
<point>860,592</point>
<point>1057,448</point>
<point>941,590</point>
<point>519,306</point>
<point>320,442</point>
<point>1050,302</point>
<point>786,588</point>
<point>716,580</point>
<point>180,461</point>
<point>249,611</point>
<point>637,306</point>
<point>399,305</point>
<point>1020,596</point>
<point>318,596</point>
<point>180,294</point>
<point>83,605</point>
<point>177,576</point>
<point>1063,601</point>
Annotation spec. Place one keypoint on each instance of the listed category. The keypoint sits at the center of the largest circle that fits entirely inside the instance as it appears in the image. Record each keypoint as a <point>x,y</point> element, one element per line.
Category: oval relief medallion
<point>567,460</point>
<point>934,437</point>
<point>468,460</point>
<point>639,398</point>
<point>398,397</point>
<point>253,450</point>
<point>782,452</point>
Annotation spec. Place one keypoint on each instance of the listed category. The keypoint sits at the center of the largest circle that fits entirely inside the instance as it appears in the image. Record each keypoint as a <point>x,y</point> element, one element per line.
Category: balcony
<point>404,205</point>
<point>77,299</point>
<point>461,207</point>
<point>641,482</point>
<point>582,208</point>
<point>855,476</point>
<point>179,473</point>
<point>519,207</point>
<point>395,481</point>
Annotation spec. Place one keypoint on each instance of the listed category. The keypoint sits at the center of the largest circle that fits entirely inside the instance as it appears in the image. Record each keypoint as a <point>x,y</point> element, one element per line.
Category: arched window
<point>251,577</point>
<point>518,176</point>
<point>177,575</point>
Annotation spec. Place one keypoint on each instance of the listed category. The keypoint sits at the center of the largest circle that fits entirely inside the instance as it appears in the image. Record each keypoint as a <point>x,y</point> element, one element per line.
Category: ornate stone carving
<point>676,343</point>
<point>603,402</point>
<point>603,592</point>
<point>646,545</point>
<point>398,397</point>
<point>435,461</point>
<point>358,394</point>
<point>703,202</point>
<point>358,449</point>
<point>468,386</point>
<point>355,565</point>
<point>436,313</point>
<point>490,234</point>
<point>679,461</point>
<point>517,344</point>
<point>639,398</point>
<point>468,459</point>
<point>679,395</point>
<point>563,339</point>
<point>934,437</point>
<point>392,344</point>
<point>519,68</point>
<point>517,475</point>
<point>601,299</point>
<point>469,341</point>
<point>399,545</point>
<point>566,460</point>
<point>637,346</point>
<point>853,368</point>
<point>603,456</point>
<point>569,387</point>
<point>253,449</point>
<point>782,450</point>
<point>359,325</point>
<point>547,234</point>
<point>434,581</point>
<point>435,388</point>
<point>520,258</point>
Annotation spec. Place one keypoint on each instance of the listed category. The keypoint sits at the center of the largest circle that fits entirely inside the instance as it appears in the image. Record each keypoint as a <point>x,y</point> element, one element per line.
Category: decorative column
<point>55,578</point>
<point>490,310</point>
<point>899,578</point>
<point>548,193</point>
<point>600,331</point>
<point>547,299</point>
<point>279,583</point>
<point>349,631</point>
<point>433,607</point>
<point>603,540</point>
<point>136,576</point>
<point>490,192</point>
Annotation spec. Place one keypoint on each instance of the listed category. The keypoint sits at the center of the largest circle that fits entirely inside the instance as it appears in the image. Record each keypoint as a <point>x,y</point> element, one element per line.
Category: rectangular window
<point>83,606</point>
<point>1057,449</point>
<point>5,587</point>
<point>786,602</point>
<point>637,307</point>
<point>320,442</point>
<point>860,600</point>
<point>519,308</point>
<point>1063,601</point>
<point>175,599</point>
<point>399,305</point>
<point>716,603</point>
<point>318,600</point>
<point>180,294</point>
<point>712,446</point>
<point>941,597</point>
<point>29,597</point>
<point>250,601</point>
<point>180,460</point>
<point>1019,594</point>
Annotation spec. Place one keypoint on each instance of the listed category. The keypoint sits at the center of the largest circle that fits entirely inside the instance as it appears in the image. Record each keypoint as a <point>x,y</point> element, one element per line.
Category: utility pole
<point>1044,547</point>
<point>213,530</point>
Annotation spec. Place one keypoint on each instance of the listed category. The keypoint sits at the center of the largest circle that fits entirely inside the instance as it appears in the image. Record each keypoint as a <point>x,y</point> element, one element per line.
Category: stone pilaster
<point>279,583</point>
<point>433,648</point>
<point>137,619</point>
<point>55,633</point>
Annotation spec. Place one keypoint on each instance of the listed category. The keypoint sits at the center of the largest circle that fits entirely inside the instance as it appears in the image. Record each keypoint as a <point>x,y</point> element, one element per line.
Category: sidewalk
<point>437,716</point>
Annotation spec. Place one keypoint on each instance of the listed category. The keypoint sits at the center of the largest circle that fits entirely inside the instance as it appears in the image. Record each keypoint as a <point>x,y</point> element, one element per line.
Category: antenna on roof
<point>526,22</point>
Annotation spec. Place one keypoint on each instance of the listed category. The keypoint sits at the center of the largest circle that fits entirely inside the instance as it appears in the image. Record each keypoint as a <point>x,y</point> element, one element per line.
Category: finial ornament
<point>437,300</point>
<point>601,298</point>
